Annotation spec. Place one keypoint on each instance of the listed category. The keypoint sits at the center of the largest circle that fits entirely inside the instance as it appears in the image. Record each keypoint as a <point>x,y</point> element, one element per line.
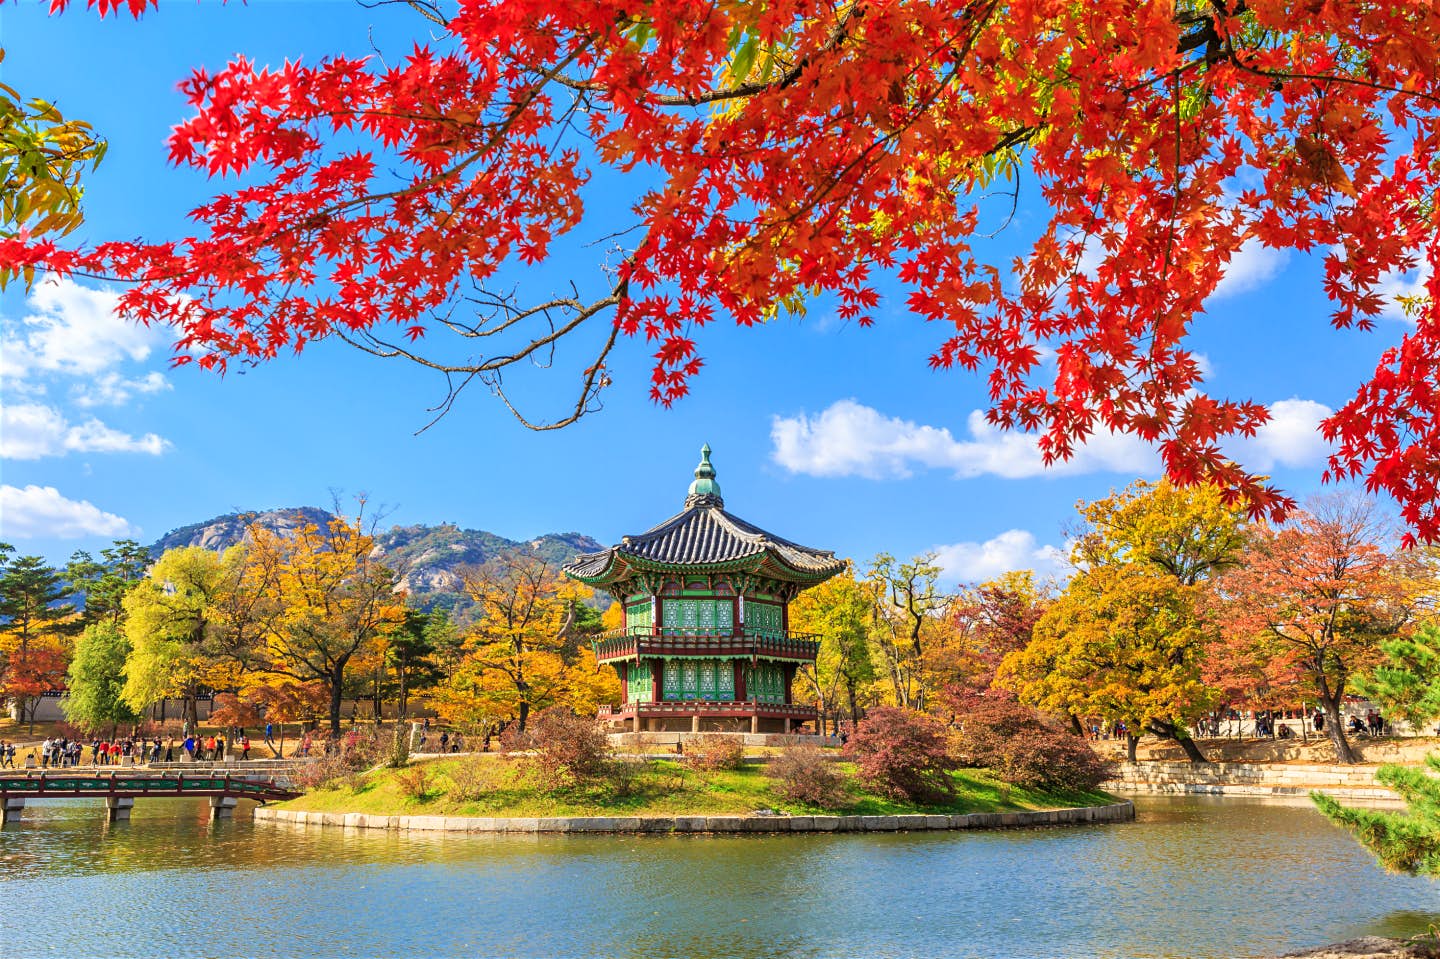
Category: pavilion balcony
<point>636,641</point>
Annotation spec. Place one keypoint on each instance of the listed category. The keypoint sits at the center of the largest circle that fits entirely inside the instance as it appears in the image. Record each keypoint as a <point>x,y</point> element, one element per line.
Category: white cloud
<point>850,439</point>
<point>112,389</point>
<point>30,431</point>
<point>1291,437</point>
<point>1011,550</point>
<point>1396,284</point>
<point>42,511</point>
<point>1253,265</point>
<point>72,330</point>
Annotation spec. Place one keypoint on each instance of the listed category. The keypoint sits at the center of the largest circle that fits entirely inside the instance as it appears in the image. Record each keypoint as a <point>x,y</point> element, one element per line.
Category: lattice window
<point>640,685</point>
<point>725,680</point>
<point>639,615</point>
<point>671,680</point>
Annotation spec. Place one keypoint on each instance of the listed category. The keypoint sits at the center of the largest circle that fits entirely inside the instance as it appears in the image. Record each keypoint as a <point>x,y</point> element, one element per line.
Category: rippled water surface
<point>1193,877</point>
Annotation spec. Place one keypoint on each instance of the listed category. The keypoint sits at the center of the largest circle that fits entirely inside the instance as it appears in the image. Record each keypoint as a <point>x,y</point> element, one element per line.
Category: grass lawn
<point>494,786</point>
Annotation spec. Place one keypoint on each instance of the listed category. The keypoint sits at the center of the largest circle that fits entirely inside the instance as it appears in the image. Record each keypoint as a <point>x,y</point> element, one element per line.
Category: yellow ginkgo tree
<point>326,600</point>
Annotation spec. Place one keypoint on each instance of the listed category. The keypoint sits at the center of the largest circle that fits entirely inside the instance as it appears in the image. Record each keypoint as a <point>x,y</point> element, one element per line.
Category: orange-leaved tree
<point>1123,643</point>
<point>524,653</point>
<point>326,600</point>
<point>790,149</point>
<point>1316,597</point>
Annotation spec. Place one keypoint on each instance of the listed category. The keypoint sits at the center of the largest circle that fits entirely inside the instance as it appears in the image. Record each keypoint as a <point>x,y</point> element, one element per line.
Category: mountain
<point>428,558</point>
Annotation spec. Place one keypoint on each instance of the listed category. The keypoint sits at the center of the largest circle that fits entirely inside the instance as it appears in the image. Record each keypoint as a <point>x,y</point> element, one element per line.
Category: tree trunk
<point>1330,705</point>
<point>1076,726</point>
<point>524,714</point>
<point>854,700</point>
<point>1177,732</point>
<point>189,714</point>
<point>1131,741</point>
<point>1343,751</point>
<point>402,703</point>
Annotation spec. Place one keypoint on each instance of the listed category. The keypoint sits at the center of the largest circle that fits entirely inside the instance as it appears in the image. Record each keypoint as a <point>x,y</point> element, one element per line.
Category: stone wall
<point>1116,812</point>
<point>638,742</point>
<point>1248,779</point>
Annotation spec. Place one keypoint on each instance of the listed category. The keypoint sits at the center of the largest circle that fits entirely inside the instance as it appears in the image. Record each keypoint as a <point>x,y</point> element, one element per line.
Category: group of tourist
<point>212,748</point>
<point>60,752</point>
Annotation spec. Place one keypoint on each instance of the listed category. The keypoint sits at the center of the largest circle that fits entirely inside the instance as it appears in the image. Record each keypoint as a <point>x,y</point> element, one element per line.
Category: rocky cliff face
<point>427,558</point>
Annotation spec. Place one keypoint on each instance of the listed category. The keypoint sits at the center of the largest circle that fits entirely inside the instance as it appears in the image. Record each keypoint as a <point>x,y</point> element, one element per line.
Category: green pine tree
<point>1403,842</point>
<point>1406,687</point>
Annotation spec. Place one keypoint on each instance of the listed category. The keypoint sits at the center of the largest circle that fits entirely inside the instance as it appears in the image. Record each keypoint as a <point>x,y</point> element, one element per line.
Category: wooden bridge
<point>121,789</point>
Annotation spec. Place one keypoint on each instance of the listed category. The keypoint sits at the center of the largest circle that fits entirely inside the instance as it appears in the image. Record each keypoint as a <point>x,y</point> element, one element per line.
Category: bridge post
<point>117,808</point>
<point>223,807</point>
<point>10,809</point>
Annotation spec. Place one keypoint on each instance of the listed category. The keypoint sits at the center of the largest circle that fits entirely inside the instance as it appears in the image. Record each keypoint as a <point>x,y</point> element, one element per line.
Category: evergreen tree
<point>1403,842</point>
<point>1407,686</point>
<point>102,584</point>
<point>34,622</point>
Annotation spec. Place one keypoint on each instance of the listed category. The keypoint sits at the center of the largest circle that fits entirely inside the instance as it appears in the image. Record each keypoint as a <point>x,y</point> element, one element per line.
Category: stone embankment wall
<point>1390,750</point>
<point>668,741</point>
<point>1248,779</point>
<point>1115,812</point>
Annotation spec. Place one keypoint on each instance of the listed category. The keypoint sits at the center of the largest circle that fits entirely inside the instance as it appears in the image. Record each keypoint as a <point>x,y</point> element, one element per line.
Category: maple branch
<point>749,88</point>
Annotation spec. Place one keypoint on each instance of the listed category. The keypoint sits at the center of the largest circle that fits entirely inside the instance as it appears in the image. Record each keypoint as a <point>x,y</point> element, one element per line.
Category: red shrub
<point>568,748</point>
<point>805,774</point>
<point>903,754</point>
<point>715,752</point>
<point>1013,742</point>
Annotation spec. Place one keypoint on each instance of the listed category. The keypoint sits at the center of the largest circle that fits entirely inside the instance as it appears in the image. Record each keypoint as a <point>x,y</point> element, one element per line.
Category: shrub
<point>567,748</point>
<point>903,754</point>
<point>470,779</point>
<point>513,739</point>
<point>319,773</point>
<point>414,781</point>
<point>804,774</point>
<point>1014,743</point>
<point>715,752</point>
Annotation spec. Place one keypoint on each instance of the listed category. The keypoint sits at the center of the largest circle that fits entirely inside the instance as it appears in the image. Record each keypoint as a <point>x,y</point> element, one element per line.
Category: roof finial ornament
<point>704,491</point>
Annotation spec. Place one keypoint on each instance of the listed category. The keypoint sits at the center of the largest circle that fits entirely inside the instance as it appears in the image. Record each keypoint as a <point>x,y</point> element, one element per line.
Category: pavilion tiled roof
<point>705,534</point>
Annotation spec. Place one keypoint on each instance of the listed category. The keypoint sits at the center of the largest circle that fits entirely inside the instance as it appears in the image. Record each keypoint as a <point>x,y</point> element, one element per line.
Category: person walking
<point>244,747</point>
<point>220,748</point>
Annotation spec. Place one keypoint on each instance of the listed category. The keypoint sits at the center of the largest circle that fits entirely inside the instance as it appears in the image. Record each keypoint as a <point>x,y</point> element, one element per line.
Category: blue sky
<point>835,436</point>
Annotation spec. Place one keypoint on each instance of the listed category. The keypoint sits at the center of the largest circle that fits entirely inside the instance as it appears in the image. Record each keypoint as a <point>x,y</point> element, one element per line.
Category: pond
<point>1193,876</point>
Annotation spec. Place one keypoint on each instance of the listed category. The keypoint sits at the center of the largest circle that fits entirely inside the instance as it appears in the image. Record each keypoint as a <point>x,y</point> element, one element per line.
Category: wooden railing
<point>57,785</point>
<point>635,641</point>
<point>709,707</point>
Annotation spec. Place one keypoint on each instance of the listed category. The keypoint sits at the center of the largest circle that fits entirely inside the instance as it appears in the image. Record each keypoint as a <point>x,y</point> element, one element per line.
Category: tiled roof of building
<point>704,534</point>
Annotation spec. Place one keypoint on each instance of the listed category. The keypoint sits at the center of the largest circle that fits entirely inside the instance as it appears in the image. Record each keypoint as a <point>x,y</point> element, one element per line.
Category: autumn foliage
<point>791,150</point>
<point>902,753</point>
<point>1019,747</point>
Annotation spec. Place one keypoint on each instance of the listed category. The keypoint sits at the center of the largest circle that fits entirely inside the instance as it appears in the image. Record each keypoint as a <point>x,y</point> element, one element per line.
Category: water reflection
<point>1194,877</point>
